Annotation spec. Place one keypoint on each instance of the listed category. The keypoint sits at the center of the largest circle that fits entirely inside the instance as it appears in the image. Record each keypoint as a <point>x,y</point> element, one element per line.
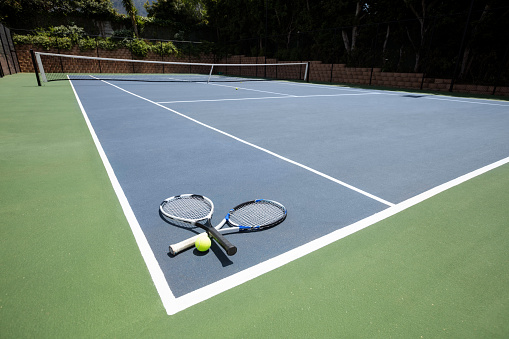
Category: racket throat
<point>229,248</point>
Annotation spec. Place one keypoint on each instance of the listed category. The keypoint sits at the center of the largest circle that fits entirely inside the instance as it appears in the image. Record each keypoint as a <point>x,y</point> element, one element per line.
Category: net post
<point>35,67</point>
<point>306,73</point>
<point>210,73</point>
<point>41,67</point>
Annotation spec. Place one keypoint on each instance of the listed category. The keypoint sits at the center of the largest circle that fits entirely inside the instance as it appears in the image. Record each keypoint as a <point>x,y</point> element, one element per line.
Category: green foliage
<point>397,36</point>
<point>165,48</point>
<point>44,41</point>
<point>108,44</point>
<point>92,8</point>
<point>61,37</point>
<point>138,47</point>
<point>87,44</point>
<point>118,5</point>
<point>179,15</point>
<point>123,33</point>
<point>140,23</point>
<point>129,7</point>
<point>20,13</point>
<point>65,37</point>
<point>131,12</point>
<point>73,32</point>
<point>141,48</point>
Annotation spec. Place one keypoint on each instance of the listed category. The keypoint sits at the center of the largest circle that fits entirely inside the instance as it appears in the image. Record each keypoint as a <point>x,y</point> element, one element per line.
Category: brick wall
<point>318,71</point>
<point>25,59</point>
<point>339,73</point>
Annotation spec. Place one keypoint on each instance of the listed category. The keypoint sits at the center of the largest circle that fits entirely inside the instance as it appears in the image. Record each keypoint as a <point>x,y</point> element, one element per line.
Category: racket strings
<point>260,213</point>
<point>187,207</point>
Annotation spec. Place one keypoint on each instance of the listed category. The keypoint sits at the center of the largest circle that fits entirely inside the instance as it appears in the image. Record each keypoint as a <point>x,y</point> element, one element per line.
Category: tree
<point>479,40</point>
<point>27,13</point>
<point>183,14</point>
<point>131,11</point>
<point>422,10</point>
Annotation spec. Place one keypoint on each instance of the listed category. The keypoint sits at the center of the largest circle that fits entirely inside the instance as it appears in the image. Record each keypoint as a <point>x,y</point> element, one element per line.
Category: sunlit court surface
<point>338,158</point>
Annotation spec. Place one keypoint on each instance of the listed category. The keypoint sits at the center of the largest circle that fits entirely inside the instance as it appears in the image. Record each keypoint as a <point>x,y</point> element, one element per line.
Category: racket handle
<point>183,245</point>
<point>228,247</point>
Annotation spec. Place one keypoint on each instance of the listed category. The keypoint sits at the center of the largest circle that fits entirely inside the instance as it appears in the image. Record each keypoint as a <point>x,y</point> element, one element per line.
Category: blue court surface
<point>338,158</point>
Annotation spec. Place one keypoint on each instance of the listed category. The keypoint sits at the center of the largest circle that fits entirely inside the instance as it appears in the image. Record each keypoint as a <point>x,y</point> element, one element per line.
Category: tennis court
<point>333,156</point>
<point>339,158</point>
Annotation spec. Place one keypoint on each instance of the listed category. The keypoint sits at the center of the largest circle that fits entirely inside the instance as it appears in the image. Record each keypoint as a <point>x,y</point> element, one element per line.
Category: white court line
<point>236,87</point>
<point>232,281</point>
<point>174,305</point>
<point>266,98</point>
<point>432,96</point>
<point>333,86</point>
<point>424,94</point>
<point>214,100</point>
<point>323,175</point>
<point>249,89</point>
<point>154,269</point>
<point>467,101</point>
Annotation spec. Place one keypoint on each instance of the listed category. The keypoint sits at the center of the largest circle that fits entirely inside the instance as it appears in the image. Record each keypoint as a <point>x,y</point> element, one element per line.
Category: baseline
<point>225,284</point>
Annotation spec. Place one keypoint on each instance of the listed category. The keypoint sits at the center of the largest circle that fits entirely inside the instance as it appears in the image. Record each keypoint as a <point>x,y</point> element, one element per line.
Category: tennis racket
<point>248,216</point>
<point>195,210</point>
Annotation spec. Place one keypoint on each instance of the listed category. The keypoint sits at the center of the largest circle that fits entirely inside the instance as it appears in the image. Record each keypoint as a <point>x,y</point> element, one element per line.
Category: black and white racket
<point>248,216</point>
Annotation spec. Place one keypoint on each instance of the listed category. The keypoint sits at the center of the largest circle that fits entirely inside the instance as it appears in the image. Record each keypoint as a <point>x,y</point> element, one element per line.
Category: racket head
<point>189,208</point>
<point>257,214</point>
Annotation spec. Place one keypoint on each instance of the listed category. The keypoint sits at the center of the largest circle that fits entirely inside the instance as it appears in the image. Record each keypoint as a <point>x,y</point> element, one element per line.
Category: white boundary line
<point>333,86</point>
<point>323,175</point>
<point>154,269</point>
<point>239,278</point>
<point>249,89</point>
<point>174,305</point>
<point>266,98</point>
<point>242,88</point>
<point>426,95</point>
<point>219,100</point>
<point>466,101</point>
<point>433,96</point>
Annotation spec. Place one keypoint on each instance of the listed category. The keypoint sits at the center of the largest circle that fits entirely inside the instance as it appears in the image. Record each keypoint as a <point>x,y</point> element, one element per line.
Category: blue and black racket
<point>197,210</point>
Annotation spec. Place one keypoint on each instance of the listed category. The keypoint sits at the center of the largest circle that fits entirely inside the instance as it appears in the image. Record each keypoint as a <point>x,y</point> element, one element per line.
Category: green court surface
<point>71,267</point>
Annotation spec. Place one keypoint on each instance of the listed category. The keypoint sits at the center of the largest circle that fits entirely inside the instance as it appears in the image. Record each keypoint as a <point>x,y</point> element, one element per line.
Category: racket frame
<point>213,232</point>
<point>189,242</point>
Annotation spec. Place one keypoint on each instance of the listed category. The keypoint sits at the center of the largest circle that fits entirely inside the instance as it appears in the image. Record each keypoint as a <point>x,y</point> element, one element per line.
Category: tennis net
<point>53,67</point>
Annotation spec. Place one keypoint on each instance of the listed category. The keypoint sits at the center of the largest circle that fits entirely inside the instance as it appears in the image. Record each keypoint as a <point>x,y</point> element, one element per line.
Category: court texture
<point>397,225</point>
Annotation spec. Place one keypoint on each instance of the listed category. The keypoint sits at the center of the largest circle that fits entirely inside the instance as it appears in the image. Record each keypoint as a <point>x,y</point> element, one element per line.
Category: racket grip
<point>183,245</point>
<point>228,247</point>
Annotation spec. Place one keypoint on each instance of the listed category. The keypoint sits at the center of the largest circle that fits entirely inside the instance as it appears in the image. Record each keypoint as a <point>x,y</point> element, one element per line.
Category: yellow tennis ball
<point>236,88</point>
<point>202,243</point>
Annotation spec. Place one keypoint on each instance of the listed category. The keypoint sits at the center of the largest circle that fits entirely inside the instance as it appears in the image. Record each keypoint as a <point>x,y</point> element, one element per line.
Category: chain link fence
<point>471,57</point>
<point>433,54</point>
